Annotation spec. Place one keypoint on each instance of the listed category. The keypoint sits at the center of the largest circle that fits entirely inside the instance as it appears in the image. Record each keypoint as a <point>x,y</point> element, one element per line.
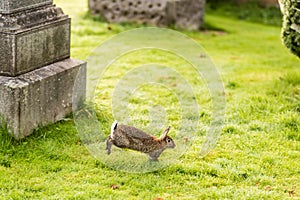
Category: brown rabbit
<point>132,138</point>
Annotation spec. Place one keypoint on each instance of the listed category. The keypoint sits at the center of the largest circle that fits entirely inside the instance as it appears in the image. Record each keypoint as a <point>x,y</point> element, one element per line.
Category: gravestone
<point>36,72</point>
<point>186,14</point>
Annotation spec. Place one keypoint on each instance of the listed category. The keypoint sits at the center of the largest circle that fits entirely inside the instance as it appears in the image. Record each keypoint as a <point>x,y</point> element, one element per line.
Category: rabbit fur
<point>129,137</point>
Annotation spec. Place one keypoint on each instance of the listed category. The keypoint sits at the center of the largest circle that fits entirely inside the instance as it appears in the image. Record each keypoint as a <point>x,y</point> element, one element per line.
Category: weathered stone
<point>10,6</point>
<point>36,76</point>
<point>40,97</point>
<point>187,14</point>
<point>32,39</point>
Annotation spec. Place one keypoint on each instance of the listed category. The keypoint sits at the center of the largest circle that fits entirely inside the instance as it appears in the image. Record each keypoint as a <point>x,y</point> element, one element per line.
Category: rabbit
<point>129,137</point>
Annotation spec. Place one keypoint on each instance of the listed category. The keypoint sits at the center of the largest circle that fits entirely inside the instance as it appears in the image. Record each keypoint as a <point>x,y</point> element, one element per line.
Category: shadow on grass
<point>6,139</point>
<point>99,18</point>
<point>251,11</point>
<point>287,89</point>
<point>45,142</point>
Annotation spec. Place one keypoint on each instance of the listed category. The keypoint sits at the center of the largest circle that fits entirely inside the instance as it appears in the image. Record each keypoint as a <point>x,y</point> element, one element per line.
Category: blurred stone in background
<point>185,14</point>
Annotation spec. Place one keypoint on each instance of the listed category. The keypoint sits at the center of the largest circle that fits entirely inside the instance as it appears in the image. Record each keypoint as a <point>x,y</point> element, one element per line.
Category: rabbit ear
<point>164,135</point>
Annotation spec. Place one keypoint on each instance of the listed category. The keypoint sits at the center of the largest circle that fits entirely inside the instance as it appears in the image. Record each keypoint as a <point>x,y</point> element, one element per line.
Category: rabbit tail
<point>113,128</point>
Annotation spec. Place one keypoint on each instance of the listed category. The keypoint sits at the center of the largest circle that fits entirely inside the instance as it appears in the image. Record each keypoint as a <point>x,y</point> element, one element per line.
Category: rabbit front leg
<point>108,145</point>
<point>153,156</point>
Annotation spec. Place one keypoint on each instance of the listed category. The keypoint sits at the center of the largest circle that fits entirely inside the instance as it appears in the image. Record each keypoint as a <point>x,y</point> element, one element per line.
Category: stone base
<point>40,97</point>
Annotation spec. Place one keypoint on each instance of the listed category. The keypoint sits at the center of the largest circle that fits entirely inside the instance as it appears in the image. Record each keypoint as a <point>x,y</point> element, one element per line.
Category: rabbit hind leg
<point>108,145</point>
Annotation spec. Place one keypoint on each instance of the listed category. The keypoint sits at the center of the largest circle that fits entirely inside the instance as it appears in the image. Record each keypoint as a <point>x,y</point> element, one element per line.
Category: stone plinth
<point>187,14</point>
<point>36,75</point>
<point>40,97</point>
<point>30,41</point>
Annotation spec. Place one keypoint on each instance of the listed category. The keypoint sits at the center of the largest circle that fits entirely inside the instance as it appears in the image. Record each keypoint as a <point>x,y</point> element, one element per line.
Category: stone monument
<point>186,14</point>
<point>36,72</point>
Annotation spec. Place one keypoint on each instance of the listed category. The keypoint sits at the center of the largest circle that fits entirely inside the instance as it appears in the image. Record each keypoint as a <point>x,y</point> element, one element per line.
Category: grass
<point>257,155</point>
<point>251,11</point>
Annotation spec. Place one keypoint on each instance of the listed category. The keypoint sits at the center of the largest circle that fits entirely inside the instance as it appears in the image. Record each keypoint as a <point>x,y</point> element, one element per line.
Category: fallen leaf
<point>268,188</point>
<point>115,187</point>
<point>291,192</point>
<point>185,140</point>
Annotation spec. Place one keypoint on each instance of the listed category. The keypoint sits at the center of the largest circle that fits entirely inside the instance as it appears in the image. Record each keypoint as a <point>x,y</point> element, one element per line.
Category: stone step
<point>42,96</point>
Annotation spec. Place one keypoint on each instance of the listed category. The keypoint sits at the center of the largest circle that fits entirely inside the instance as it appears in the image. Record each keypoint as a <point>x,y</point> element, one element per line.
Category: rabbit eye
<point>168,140</point>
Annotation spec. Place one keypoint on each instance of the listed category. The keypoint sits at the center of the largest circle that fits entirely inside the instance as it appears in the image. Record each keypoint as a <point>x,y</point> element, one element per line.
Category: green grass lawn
<point>257,155</point>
